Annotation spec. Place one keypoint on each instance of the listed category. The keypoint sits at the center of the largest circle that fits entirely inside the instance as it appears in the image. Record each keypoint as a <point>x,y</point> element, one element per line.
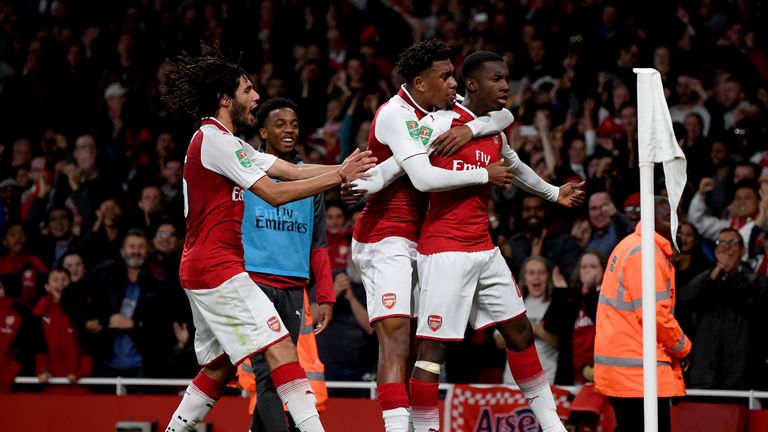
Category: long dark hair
<point>195,84</point>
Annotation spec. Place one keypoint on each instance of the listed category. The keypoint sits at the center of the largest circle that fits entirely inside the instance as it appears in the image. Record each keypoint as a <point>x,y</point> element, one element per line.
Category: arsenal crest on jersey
<point>435,322</point>
<point>389,300</point>
<point>274,324</point>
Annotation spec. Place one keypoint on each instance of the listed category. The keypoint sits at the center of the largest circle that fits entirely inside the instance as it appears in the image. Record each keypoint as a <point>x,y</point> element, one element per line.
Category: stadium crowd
<point>92,208</point>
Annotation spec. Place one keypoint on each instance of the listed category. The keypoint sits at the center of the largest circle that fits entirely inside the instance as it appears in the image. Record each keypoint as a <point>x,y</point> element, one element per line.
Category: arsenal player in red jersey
<point>233,317</point>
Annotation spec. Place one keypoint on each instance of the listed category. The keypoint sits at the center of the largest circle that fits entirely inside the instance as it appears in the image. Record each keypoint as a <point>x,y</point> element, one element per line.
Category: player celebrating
<point>233,317</point>
<point>384,243</point>
<point>462,274</point>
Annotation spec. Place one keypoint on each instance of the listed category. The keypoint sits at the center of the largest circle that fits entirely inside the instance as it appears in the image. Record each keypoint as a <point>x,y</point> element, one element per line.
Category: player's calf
<point>424,386</point>
<point>528,374</point>
<point>199,398</point>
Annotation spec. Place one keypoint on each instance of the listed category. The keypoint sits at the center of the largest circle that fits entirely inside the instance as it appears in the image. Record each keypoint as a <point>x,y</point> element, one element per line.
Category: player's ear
<point>418,83</point>
<point>263,133</point>
<point>224,100</point>
<point>470,84</point>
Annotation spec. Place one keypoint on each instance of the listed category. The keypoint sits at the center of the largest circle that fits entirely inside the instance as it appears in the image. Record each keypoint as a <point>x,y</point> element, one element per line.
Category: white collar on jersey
<point>219,123</point>
<point>412,101</point>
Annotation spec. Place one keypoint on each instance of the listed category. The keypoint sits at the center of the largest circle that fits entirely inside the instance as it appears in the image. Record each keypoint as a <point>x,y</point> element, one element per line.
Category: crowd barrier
<point>476,408</point>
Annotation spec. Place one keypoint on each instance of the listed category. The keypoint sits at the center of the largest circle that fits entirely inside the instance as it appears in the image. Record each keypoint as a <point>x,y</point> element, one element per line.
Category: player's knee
<point>432,351</point>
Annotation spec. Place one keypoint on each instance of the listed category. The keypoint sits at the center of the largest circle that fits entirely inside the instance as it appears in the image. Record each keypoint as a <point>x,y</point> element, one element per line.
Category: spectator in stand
<point>690,100</point>
<point>171,187</point>
<point>744,210</point>
<point>536,286</point>
<point>19,269</point>
<point>719,301</point>
<point>21,338</point>
<point>608,225</point>
<point>338,234</point>
<point>690,260</point>
<point>571,316</point>
<point>64,357</point>
<point>60,239</point>
<point>84,181</point>
<point>632,208</point>
<point>135,332</point>
<point>149,212</point>
<point>543,236</point>
<point>102,241</point>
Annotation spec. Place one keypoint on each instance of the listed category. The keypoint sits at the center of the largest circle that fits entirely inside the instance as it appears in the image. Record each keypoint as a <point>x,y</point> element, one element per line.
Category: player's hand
<point>72,378</point>
<point>355,166</point>
<point>351,196</point>
<point>499,175</point>
<point>571,195</point>
<point>448,143</point>
<point>324,317</point>
<point>43,377</point>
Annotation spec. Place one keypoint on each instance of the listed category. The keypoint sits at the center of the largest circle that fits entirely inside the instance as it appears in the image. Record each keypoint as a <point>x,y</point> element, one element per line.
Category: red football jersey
<point>457,220</point>
<point>398,209</point>
<point>217,169</point>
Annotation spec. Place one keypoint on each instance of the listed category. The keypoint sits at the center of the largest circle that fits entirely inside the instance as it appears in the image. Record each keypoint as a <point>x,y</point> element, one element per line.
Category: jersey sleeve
<point>263,161</point>
<point>525,177</point>
<point>399,129</point>
<point>491,124</point>
<point>381,176</point>
<point>226,155</point>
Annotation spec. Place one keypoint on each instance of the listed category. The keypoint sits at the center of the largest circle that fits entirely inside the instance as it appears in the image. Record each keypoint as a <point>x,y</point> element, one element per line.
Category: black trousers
<point>629,414</point>
<point>269,415</point>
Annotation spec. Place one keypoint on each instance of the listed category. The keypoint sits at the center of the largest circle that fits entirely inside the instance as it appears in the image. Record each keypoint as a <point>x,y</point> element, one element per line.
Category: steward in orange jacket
<point>619,332</point>
<point>619,338</point>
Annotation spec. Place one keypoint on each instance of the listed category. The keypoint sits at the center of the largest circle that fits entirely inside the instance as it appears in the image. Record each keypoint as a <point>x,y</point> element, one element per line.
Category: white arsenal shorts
<point>235,318</point>
<point>465,287</point>
<point>388,270</point>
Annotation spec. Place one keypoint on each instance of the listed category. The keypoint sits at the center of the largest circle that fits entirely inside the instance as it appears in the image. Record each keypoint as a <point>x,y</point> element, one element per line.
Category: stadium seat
<point>757,421</point>
<point>696,416</point>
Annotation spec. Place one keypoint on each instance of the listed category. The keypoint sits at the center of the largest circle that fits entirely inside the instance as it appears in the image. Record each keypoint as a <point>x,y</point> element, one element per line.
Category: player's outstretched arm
<point>448,143</point>
<point>287,171</point>
<point>277,194</point>
<point>526,178</point>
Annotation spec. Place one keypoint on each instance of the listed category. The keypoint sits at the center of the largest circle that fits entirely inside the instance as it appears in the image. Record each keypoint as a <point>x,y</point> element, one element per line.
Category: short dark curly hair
<point>273,104</point>
<point>474,62</point>
<point>195,84</point>
<point>419,57</point>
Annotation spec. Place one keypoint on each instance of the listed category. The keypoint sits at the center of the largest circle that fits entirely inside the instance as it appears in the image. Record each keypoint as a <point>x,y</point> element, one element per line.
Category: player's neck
<point>476,108</point>
<point>419,98</point>
<point>222,115</point>
<point>288,157</point>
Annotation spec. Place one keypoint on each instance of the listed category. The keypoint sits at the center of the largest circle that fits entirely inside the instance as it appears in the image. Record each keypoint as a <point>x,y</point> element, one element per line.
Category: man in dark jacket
<point>134,330</point>
<point>719,302</point>
<point>541,237</point>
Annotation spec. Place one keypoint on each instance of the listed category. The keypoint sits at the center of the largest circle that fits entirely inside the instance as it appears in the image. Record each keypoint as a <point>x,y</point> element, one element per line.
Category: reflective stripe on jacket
<point>619,333</point>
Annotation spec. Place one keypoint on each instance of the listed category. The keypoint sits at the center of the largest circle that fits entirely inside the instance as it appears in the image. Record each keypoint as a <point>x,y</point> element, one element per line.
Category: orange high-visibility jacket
<point>619,338</point>
<point>309,360</point>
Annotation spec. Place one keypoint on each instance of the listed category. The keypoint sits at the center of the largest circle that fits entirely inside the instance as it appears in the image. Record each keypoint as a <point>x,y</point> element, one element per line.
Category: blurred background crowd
<point>91,164</point>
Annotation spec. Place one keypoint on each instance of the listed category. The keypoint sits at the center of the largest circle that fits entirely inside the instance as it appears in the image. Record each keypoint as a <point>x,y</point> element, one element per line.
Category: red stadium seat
<point>758,421</point>
<point>696,416</point>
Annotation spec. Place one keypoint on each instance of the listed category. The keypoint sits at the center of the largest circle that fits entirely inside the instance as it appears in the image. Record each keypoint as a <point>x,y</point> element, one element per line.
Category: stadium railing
<point>121,385</point>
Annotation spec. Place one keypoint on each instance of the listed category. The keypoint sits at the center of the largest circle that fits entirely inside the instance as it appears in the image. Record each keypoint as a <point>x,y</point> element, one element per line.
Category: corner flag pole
<point>647,248</point>
<point>656,143</point>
